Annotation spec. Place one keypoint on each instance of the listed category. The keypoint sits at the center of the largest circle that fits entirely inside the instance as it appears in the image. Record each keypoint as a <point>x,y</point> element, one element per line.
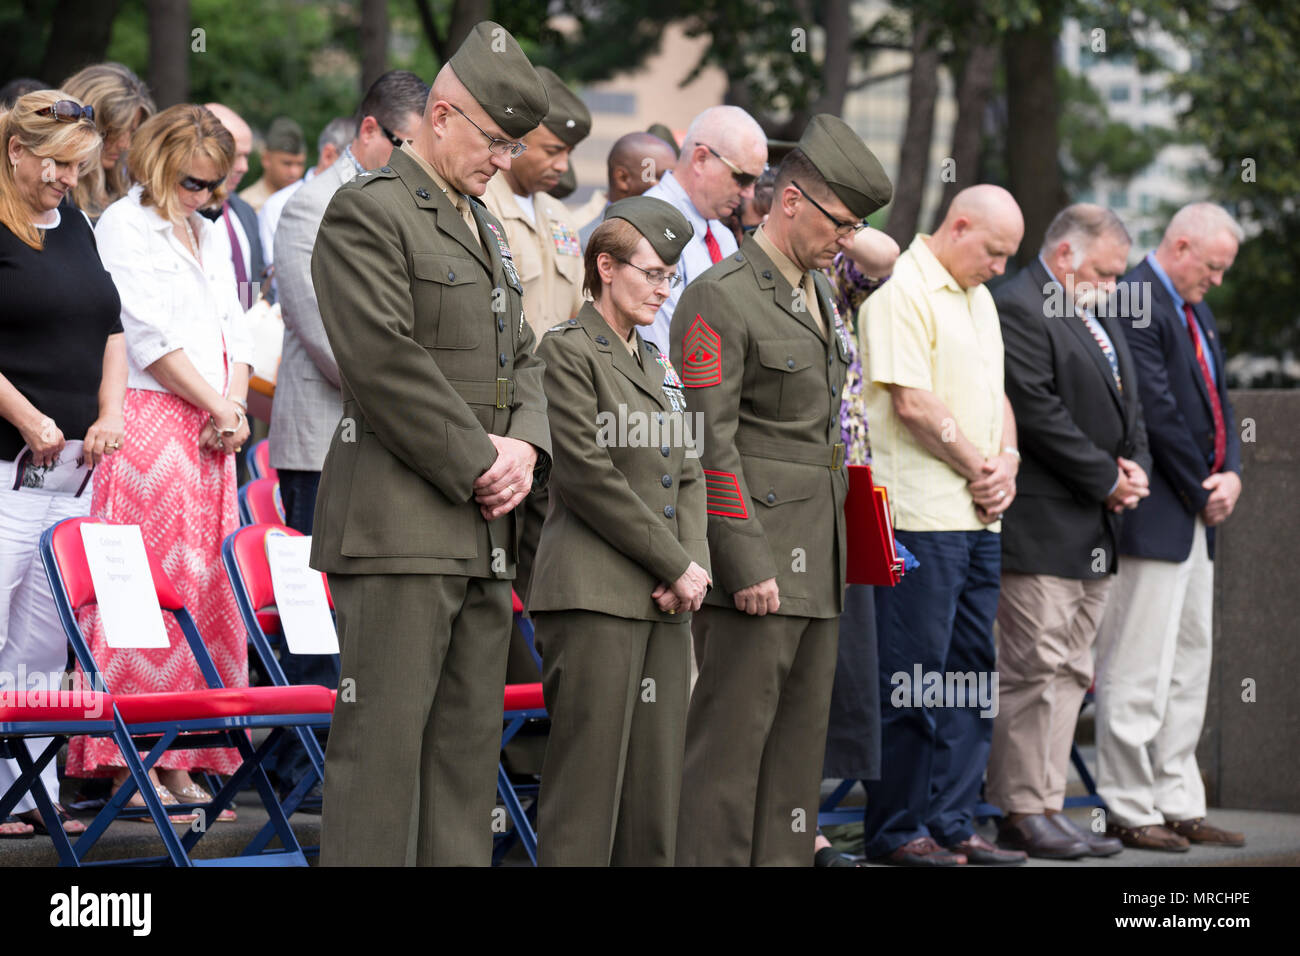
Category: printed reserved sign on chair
<point>124,588</point>
<point>300,596</point>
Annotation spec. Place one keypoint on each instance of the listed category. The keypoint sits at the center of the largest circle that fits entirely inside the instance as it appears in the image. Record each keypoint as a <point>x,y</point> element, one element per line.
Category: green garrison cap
<point>568,117</point>
<point>500,78</point>
<point>285,136</point>
<point>660,222</point>
<point>850,169</point>
<point>567,184</point>
<point>664,133</point>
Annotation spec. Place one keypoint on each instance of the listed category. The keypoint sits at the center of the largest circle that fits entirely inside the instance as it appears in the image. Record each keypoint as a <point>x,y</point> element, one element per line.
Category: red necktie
<point>715,251</point>
<point>1220,431</point>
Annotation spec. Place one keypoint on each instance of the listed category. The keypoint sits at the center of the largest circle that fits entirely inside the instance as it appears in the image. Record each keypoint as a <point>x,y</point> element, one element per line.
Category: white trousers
<point>1153,675</point>
<point>33,647</point>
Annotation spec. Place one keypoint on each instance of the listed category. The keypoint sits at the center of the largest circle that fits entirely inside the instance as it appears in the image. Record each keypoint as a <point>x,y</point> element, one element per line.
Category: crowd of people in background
<point>1057,458</point>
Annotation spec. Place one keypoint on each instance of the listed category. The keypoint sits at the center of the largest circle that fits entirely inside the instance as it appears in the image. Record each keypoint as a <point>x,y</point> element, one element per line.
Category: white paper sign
<point>128,603</point>
<point>300,596</point>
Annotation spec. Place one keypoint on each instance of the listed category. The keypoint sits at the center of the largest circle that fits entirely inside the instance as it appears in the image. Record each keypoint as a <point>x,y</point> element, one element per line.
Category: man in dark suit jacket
<point>1072,383</point>
<point>1153,651</point>
<point>236,220</point>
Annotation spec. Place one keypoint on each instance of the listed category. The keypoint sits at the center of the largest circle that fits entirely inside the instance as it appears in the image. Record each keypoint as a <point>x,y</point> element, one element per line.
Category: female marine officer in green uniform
<point>623,558</point>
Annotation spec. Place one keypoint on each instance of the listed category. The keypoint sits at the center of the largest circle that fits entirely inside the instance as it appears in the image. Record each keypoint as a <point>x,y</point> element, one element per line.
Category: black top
<point>58,307</point>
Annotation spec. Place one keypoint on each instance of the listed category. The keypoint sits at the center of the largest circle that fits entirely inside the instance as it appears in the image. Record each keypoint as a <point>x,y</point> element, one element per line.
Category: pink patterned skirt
<point>185,501</point>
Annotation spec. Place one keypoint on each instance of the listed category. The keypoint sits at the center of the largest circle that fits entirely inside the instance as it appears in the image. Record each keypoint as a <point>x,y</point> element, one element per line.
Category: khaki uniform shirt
<point>426,321</point>
<point>768,382</point>
<point>546,254</point>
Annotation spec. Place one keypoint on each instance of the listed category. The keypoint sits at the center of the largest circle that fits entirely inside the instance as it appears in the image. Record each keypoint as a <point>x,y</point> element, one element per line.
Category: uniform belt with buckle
<point>498,394</point>
<point>801,452</point>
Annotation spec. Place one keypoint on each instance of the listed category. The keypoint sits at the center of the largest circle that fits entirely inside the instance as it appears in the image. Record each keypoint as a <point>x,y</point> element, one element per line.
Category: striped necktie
<point>1107,349</point>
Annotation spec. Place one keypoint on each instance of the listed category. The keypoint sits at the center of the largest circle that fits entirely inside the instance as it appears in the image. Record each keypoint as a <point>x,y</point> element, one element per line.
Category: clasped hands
<point>994,488</point>
<point>1134,485</point>
<point>505,485</point>
<point>225,431</point>
<point>684,594</point>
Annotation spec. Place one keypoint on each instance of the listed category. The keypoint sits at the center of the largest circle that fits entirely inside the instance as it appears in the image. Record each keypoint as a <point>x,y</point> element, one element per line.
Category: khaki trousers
<point>755,738</point>
<point>616,691</point>
<point>1153,676</point>
<point>410,770</point>
<point>1046,629</point>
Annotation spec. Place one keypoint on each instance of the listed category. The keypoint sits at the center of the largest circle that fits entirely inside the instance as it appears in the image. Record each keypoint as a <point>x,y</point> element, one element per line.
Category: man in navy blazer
<point>1153,649</point>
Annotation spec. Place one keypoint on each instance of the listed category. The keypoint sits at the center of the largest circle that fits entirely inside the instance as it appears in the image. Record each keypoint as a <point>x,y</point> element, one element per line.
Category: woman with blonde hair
<point>62,379</point>
<point>189,355</point>
<point>121,102</point>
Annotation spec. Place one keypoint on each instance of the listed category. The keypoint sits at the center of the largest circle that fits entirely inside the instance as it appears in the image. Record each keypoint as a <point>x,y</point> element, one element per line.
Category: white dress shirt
<point>268,217</point>
<point>169,301</point>
<point>695,259</point>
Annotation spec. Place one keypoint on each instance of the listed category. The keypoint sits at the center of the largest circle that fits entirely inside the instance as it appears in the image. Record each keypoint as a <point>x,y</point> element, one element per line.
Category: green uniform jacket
<point>769,387</point>
<point>434,354</point>
<point>627,493</point>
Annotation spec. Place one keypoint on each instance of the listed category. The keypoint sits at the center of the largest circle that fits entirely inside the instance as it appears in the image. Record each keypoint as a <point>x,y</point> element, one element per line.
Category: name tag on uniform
<point>565,239</point>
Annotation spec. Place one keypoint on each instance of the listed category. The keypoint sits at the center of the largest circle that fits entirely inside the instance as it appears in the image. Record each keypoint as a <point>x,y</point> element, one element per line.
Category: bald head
<point>636,162</point>
<point>721,143</point>
<point>982,228</point>
<point>243,141</point>
<point>1199,245</point>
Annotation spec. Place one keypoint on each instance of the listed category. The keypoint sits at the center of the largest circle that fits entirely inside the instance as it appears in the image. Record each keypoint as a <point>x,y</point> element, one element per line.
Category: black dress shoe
<point>1037,836</point>
<point>1098,844</point>
<point>829,856</point>
<point>981,852</point>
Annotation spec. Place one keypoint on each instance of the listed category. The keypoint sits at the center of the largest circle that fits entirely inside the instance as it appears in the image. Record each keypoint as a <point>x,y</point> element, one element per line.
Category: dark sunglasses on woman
<point>67,111</point>
<point>196,185</point>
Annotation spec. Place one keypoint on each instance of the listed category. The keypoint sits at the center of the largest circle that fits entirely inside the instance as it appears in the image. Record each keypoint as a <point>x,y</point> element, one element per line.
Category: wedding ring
<point>511,490</point>
<point>1001,494</point>
<point>115,445</point>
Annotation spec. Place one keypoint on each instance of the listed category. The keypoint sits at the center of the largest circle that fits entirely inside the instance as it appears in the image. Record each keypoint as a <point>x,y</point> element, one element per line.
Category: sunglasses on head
<point>67,111</point>
<point>196,185</point>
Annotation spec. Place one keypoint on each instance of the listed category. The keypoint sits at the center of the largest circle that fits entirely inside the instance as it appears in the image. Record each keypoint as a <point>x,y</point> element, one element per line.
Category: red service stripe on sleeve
<point>723,493</point>
<point>701,355</point>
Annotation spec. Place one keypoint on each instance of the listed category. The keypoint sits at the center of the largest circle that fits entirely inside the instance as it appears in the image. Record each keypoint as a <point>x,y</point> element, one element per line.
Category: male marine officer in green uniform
<point>763,353</point>
<point>443,434</point>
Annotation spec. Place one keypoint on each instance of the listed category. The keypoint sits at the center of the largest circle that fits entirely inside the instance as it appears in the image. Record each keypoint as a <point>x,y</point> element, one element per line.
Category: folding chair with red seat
<point>259,461</point>
<point>216,716</point>
<point>259,502</point>
<point>244,555</point>
<point>523,702</point>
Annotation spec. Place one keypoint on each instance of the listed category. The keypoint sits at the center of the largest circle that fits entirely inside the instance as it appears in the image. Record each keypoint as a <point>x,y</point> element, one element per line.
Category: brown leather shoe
<point>922,851</point>
<point>1150,837</point>
<point>1097,844</point>
<point>1036,835</point>
<point>1198,831</point>
<point>980,851</point>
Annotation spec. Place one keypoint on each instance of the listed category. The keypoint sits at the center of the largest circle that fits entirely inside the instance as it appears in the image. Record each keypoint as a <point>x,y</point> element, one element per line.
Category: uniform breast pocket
<point>791,384</point>
<point>450,303</point>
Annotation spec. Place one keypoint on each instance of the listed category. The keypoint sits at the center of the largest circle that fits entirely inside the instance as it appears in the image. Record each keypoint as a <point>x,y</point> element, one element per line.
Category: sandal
<point>168,800</point>
<point>14,829</point>
<point>71,826</point>
<point>196,794</point>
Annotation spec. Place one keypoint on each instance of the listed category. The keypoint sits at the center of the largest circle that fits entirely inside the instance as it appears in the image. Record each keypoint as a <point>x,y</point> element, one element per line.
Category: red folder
<point>872,558</point>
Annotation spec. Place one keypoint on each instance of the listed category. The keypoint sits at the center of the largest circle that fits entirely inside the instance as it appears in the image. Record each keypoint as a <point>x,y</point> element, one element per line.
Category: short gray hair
<point>1081,225</point>
<point>338,132</point>
<point>1203,220</point>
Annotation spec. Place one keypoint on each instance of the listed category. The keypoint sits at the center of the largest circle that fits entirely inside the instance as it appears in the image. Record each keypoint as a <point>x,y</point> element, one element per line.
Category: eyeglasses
<point>841,228</point>
<point>655,277</point>
<point>67,111</point>
<point>497,147</point>
<point>743,179</point>
<point>392,137</point>
<point>196,185</point>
